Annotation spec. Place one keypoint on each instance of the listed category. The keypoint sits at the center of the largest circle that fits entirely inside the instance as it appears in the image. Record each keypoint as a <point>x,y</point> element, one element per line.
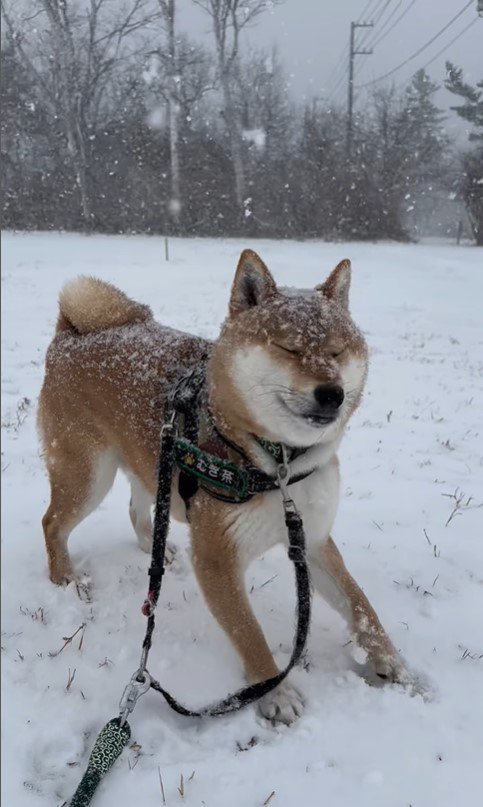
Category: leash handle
<point>109,745</point>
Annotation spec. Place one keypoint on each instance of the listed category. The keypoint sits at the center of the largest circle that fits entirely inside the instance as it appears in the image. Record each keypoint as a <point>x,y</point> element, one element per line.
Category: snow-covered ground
<point>409,527</point>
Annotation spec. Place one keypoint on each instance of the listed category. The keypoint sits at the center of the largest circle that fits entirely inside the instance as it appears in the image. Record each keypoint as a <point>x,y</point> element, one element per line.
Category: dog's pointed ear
<point>337,285</point>
<point>253,283</point>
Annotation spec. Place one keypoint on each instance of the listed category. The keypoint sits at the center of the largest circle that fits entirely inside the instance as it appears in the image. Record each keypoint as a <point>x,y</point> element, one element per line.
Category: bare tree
<point>228,19</point>
<point>193,80</point>
<point>168,11</point>
<point>183,81</point>
<point>77,48</point>
<point>267,110</point>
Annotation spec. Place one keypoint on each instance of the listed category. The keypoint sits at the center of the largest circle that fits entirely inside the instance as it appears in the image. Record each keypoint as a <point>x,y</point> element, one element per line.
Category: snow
<point>415,442</point>
<point>255,136</point>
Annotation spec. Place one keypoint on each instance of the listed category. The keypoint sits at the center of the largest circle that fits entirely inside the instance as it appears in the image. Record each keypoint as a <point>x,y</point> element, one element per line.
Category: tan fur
<point>88,305</point>
<point>220,576</point>
<point>108,371</point>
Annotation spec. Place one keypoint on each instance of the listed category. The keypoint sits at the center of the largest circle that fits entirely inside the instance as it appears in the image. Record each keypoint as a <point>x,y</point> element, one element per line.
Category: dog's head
<point>290,365</point>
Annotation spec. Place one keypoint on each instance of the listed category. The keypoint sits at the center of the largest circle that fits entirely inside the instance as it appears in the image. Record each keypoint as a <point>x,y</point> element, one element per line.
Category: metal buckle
<point>283,474</point>
<point>133,691</point>
<point>283,478</point>
<point>169,425</point>
<point>182,392</point>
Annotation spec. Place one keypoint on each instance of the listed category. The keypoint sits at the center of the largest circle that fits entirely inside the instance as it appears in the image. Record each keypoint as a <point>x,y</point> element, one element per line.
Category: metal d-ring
<point>133,691</point>
<point>283,474</point>
<point>169,425</point>
<point>283,478</point>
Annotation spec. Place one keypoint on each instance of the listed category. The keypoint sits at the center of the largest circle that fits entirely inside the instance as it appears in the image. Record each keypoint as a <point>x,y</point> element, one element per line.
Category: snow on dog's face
<point>295,360</point>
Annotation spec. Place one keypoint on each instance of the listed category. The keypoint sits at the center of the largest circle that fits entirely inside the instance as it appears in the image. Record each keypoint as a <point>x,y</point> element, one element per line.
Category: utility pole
<point>350,88</point>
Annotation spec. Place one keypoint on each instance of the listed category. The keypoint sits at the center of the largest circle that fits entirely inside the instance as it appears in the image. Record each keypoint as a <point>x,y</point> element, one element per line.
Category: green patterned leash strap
<point>111,741</point>
<point>107,748</point>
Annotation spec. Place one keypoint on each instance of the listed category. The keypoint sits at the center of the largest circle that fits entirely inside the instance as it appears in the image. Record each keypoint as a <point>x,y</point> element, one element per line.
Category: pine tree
<point>471,180</point>
<point>472,108</point>
<point>400,154</point>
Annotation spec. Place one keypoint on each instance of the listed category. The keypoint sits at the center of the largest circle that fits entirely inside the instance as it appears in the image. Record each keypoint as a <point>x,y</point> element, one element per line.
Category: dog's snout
<point>329,397</point>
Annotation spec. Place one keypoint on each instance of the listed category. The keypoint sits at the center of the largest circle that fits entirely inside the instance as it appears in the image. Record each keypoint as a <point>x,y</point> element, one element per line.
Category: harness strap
<point>274,449</point>
<point>199,467</point>
<point>243,483</point>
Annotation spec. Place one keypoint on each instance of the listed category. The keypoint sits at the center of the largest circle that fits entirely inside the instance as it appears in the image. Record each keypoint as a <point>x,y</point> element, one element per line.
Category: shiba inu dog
<point>288,367</point>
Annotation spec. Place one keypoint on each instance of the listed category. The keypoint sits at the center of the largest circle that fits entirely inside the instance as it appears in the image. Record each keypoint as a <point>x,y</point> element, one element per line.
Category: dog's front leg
<point>341,591</point>
<point>220,575</point>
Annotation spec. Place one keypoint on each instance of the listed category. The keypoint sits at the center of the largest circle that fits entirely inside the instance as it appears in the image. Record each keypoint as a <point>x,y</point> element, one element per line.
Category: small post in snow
<point>166,248</point>
<point>459,233</point>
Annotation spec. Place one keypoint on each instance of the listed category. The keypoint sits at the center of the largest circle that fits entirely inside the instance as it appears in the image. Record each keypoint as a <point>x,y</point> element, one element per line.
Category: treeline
<point>113,121</point>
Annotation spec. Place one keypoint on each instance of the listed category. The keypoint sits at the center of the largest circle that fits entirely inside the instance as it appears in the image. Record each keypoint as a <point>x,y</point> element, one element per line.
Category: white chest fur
<point>259,524</point>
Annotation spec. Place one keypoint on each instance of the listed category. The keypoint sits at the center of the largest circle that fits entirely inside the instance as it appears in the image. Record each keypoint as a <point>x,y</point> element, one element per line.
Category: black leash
<point>116,733</point>
<point>296,553</point>
<point>249,694</point>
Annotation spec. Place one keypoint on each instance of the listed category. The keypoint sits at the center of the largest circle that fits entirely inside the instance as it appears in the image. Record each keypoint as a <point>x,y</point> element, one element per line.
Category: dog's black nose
<point>329,398</point>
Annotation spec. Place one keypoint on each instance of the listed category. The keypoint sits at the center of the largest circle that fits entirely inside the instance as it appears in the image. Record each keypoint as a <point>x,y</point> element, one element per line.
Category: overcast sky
<point>312,37</point>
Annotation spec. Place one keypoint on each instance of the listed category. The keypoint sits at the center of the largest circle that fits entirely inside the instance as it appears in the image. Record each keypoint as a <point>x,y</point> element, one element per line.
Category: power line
<point>374,10</point>
<point>433,58</point>
<point>353,52</point>
<point>384,32</point>
<point>376,20</point>
<point>395,23</point>
<point>366,10</point>
<point>420,50</point>
<point>337,86</point>
<point>391,15</point>
<point>445,48</point>
<point>448,44</point>
<point>340,65</point>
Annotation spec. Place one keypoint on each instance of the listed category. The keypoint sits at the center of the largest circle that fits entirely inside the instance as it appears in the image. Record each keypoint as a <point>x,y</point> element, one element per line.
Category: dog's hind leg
<point>140,514</point>
<point>81,474</point>
<point>340,590</point>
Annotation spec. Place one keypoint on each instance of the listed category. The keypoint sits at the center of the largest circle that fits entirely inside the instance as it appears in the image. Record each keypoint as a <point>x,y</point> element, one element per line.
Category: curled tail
<point>87,305</point>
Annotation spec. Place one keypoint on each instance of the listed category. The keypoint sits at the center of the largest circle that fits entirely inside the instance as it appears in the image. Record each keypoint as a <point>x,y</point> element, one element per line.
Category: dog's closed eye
<point>336,351</point>
<point>293,350</point>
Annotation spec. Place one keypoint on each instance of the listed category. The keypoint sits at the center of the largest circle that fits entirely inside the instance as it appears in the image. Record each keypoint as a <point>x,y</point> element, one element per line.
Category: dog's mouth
<point>319,420</point>
<point>315,419</point>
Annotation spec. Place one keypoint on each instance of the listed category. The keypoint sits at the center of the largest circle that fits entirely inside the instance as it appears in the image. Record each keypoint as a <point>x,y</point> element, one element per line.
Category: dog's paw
<point>392,669</point>
<point>283,705</point>
<point>389,668</point>
<point>146,545</point>
<point>170,553</point>
<point>419,684</point>
<point>82,585</point>
<point>80,581</point>
<point>414,682</point>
